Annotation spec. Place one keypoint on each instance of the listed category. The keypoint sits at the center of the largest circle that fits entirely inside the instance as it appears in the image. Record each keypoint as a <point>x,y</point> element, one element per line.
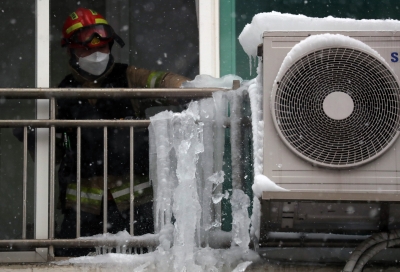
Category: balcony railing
<point>52,123</point>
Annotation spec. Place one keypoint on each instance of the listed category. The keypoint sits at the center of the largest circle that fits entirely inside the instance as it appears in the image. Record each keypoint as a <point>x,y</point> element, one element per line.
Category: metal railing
<point>52,123</point>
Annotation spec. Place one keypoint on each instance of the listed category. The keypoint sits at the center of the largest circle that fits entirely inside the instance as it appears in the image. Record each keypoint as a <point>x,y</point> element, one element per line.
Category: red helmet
<point>85,28</point>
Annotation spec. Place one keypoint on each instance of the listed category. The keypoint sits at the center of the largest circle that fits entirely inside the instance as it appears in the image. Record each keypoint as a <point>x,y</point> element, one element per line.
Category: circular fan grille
<point>368,130</point>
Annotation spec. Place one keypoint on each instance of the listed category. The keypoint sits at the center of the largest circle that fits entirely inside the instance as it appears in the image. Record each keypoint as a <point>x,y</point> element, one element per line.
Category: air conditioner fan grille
<point>370,128</point>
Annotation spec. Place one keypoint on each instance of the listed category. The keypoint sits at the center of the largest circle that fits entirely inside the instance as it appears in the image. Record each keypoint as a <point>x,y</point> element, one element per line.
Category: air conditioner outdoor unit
<point>331,114</point>
<point>331,117</point>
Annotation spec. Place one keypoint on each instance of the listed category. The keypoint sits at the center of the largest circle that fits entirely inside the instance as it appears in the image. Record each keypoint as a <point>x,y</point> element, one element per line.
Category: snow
<point>255,221</point>
<point>122,239</point>
<point>207,81</point>
<point>251,36</point>
<point>255,94</point>
<point>207,259</point>
<point>263,183</point>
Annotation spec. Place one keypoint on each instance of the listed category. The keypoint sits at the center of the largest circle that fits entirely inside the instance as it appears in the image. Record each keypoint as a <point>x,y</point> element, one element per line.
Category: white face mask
<point>95,63</point>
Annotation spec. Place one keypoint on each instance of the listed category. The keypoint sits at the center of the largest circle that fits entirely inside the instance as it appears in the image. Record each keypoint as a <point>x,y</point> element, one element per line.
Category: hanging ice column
<point>209,115</point>
<point>206,170</point>
<point>188,144</point>
<point>188,175</point>
<point>162,168</point>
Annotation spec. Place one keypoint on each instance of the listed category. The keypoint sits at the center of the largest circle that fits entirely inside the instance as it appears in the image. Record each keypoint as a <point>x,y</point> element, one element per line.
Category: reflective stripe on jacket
<point>119,187</point>
<point>121,196</point>
<point>91,198</point>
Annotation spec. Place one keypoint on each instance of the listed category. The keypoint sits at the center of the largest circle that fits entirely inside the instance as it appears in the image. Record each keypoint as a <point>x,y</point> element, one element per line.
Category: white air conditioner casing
<point>357,151</point>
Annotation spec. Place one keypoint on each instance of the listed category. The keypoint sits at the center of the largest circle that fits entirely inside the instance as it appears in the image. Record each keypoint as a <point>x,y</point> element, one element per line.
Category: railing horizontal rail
<point>218,239</point>
<point>45,123</point>
<point>83,243</point>
<point>43,93</point>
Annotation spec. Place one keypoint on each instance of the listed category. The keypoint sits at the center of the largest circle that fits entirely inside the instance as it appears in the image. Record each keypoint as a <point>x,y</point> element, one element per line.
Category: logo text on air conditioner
<point>395,57</point>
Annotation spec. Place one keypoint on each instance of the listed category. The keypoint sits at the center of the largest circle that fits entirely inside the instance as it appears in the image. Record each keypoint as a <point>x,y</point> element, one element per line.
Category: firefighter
<point>89,40</point>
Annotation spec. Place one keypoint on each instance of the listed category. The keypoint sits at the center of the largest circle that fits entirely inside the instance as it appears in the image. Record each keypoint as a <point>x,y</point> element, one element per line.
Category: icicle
<point>221,110</point>
<point>189,167</point>
<point>216,179</point>
<point>255,93</point>
<point>236,139</point>
<point>206,165</point>
<point>220,104</point>
<point>217,198</point>
<point>188,144</point>
<point>153,173</point>
<point>250,63</point>
<point>161,124</point>
<point>241,221</point>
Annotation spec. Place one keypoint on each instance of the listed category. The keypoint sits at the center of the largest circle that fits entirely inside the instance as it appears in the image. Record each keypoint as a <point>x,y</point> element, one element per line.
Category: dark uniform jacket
<point>92,156</point>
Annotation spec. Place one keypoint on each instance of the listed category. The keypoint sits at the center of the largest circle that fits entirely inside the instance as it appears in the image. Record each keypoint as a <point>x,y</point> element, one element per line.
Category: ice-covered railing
<point>188,169</point>
<point>20,244</point>
<point>189,147</point>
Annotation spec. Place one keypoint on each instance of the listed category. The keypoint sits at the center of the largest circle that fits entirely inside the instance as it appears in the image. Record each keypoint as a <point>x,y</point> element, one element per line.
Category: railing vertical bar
<point>105,188</point>
<point>236,141</point>
<point>24,182</point>
<point>52,172</point>
<point>132,183</point>
<point>78,182</point>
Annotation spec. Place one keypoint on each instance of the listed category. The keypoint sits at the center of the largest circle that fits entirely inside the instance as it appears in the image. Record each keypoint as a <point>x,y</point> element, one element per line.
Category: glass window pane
<point>17,46</point>
<point>17,60</point>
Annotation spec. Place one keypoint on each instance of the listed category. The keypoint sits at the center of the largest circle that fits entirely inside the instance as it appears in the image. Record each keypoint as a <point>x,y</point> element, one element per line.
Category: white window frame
<point>208,21</point>
<point>42,69</point>
<point>42,80</point>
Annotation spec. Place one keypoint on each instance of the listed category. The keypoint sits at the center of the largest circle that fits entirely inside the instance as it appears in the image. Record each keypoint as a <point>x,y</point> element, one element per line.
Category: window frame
<point>42,80</point>
<point>208,22</point>
<point>41,187</point>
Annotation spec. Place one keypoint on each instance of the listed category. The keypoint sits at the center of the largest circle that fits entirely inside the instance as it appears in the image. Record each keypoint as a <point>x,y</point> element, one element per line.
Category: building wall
<point>236,14</point>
